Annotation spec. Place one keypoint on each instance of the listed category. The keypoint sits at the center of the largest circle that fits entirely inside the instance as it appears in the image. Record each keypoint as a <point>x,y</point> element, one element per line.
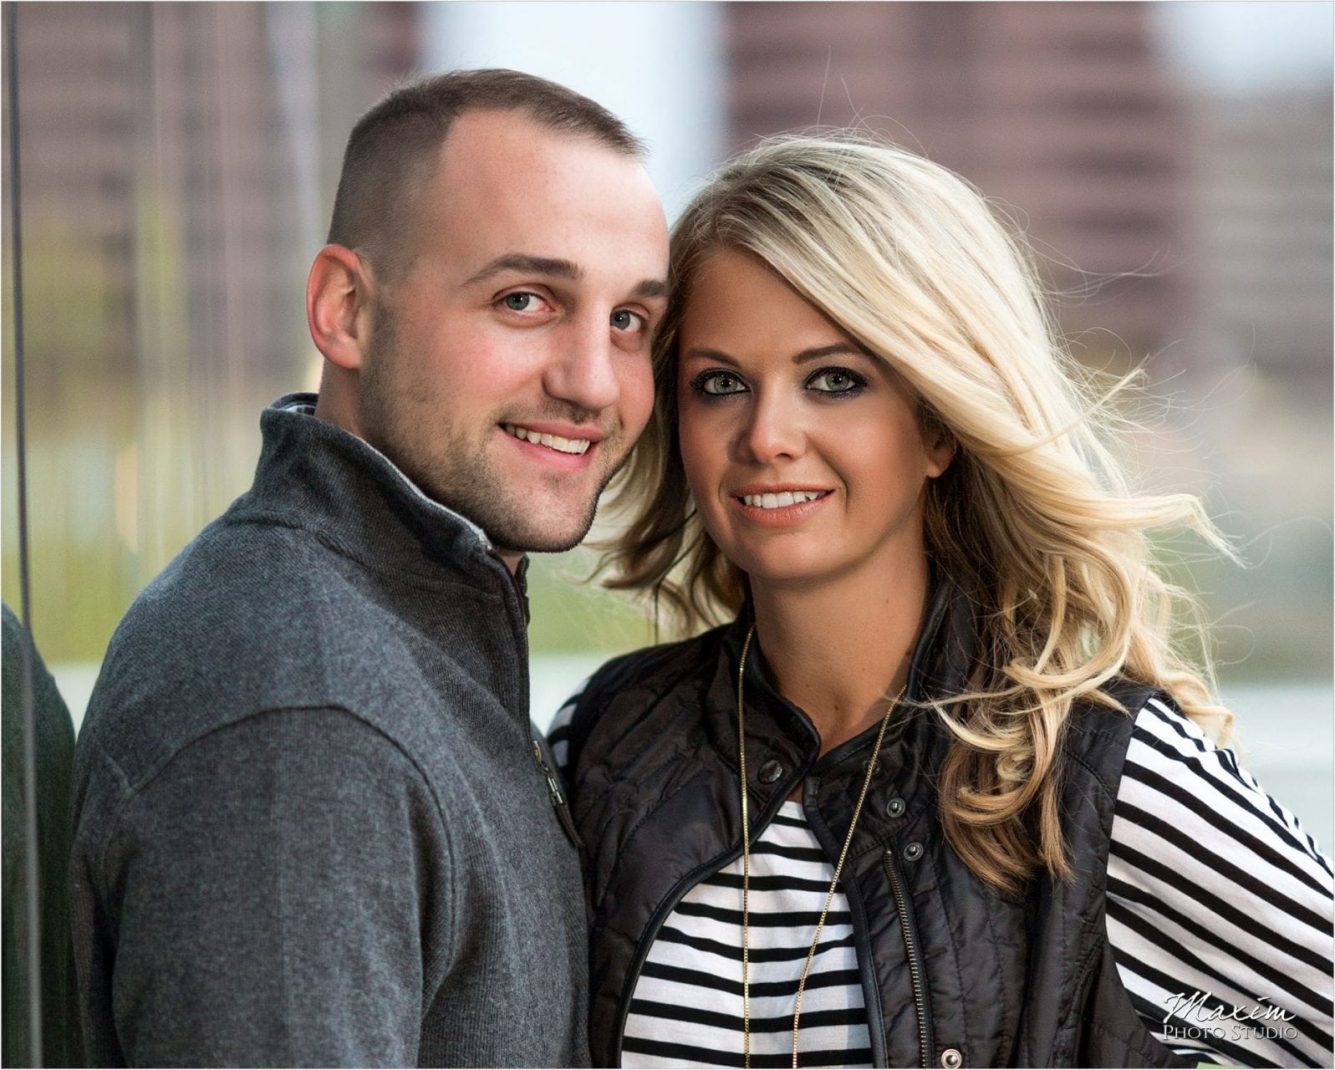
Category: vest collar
<point>942,661</point>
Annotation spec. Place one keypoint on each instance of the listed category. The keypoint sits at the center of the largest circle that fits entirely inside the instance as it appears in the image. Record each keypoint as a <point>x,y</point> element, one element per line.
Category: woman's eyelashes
<point>836,381</point>
<point>832,382</point>
<point>716,383</point>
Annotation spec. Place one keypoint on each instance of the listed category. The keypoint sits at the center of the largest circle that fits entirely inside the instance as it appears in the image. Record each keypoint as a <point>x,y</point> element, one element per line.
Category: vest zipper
<point>916,970</point>
<point>871,989</point>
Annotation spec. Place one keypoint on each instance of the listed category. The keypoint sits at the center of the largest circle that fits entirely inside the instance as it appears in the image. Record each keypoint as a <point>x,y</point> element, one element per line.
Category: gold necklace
<point>746,861</point>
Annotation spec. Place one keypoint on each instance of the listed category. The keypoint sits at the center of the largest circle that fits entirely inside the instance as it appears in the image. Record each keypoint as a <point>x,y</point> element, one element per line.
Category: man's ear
<point>339,304</point>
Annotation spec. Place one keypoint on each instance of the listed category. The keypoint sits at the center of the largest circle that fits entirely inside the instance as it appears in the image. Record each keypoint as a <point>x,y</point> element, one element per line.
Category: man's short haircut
<point>393,150</point>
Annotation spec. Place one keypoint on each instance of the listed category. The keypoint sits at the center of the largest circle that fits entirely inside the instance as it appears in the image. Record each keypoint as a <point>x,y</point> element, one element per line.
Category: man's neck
<point>333,406</point>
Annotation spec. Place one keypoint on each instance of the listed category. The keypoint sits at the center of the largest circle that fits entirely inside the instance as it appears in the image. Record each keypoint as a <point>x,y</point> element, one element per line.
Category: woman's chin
<point>788,567</point>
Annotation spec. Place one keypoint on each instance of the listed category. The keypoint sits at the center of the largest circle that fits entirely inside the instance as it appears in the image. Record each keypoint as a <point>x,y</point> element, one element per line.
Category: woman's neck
<point>840,651</point>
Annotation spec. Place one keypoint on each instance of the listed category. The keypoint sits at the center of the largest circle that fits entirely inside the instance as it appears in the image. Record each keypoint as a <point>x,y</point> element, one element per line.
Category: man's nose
<point>582,370</point>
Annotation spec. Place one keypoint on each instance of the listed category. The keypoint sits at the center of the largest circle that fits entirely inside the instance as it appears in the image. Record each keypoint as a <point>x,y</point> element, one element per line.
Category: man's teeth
<point>782,499</point>
<point>555,442</point>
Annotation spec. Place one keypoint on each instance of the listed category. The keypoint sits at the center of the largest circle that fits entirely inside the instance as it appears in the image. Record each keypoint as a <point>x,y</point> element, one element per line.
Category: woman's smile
<point>779,505</point>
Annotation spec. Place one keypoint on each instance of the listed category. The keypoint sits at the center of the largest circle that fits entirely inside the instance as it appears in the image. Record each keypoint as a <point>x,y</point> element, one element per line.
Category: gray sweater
<point>310,828</point>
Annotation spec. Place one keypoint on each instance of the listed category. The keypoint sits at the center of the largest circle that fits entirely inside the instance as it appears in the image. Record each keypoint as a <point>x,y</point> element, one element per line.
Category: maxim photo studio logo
<point>1203,1016</point>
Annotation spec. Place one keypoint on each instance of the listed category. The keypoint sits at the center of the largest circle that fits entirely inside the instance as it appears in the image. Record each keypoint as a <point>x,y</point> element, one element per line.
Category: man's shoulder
<point>249,618</point>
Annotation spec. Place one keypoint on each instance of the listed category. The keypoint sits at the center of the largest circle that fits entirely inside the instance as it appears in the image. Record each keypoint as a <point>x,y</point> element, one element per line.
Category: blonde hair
<point>1033,518</point>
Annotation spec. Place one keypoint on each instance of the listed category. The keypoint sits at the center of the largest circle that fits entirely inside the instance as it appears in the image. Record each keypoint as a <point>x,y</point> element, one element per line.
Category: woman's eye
<point>521,301</point>
<point>836,381</point>
<point>623,319</point>
<point>717,384</point>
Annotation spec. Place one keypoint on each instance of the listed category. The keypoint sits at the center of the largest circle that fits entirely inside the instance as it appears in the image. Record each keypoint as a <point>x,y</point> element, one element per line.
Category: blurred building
<point>1261,218</point>
<point>188,150</point>
<point>177,166</point>
<point>1063,113</point>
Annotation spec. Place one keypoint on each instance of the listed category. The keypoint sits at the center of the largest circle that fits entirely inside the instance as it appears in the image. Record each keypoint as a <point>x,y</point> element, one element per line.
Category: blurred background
<point>1170,162</point>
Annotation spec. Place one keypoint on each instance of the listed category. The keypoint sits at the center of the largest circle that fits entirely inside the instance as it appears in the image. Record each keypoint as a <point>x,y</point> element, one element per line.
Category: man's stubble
<point>447,467</point>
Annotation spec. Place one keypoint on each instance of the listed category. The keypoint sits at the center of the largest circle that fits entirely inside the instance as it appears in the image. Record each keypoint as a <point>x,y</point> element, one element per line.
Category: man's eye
<point>623,319</point>
<point>521,301</point>
<point>717,384</point>
<point>836,381</point>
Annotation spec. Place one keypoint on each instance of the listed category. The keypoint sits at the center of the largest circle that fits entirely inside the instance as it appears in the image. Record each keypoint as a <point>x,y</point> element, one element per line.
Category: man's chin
<point>538,546</point>
<point>512,539</point>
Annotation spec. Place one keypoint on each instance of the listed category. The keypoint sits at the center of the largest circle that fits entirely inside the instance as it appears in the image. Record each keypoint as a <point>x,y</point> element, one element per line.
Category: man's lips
<point>569,439</point>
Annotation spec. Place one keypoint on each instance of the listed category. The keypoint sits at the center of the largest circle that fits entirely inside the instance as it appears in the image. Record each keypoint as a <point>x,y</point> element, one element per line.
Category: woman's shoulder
<point>1096,733</point>
<point>646,676</point>
<point>1143,734</point>
<point>1215,891</point>
<point>1175,775</point>
<point>655,669</point>
<point>631,686</point>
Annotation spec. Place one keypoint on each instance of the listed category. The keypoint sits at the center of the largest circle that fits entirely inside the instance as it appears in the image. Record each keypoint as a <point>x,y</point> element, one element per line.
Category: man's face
<point>508,373</point>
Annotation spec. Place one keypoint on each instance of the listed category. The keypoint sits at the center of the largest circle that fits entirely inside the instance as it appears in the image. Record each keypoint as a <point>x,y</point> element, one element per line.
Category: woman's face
<point>804,454</point>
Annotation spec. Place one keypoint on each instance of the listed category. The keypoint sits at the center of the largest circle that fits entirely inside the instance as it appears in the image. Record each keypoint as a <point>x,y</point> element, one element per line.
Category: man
<point>312,828</point>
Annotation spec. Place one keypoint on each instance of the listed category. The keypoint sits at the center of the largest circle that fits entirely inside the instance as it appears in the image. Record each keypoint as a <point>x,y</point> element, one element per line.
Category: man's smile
<point>560,443</point>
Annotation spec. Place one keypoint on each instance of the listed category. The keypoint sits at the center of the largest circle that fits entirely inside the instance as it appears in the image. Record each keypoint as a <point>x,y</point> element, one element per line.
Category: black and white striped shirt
<point>1219,915</point>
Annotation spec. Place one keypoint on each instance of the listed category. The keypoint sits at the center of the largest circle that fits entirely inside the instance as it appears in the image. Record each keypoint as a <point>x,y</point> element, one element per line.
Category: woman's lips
<point>779,506</point>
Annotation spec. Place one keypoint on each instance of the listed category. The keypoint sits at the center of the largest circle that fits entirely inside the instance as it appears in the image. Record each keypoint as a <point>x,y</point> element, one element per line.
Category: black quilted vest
<point>953,974</point>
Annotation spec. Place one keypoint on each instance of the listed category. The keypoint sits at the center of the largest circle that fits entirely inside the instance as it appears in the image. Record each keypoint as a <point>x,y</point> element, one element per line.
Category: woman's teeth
<point>782,499</point>
<point>555,442</point>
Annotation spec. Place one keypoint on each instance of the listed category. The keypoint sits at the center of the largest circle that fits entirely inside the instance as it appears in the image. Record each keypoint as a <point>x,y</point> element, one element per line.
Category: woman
<point>983,823</point>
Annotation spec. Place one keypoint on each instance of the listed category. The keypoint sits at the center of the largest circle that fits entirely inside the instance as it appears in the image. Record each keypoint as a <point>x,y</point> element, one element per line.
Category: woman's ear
<point>339,304</point>
<point>938,442</point>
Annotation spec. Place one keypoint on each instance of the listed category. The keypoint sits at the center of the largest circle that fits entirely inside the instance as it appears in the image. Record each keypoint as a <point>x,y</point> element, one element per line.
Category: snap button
<point>866,762</point>
<point>952,1059</point>
<point>896,807</point>
<point>912,853</point>
<point>770,772</point>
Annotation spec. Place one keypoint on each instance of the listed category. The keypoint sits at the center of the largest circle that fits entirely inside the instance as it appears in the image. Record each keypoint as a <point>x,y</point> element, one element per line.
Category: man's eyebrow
<point>532,265</point>
<point>651,288</point>
<point>555,268</point>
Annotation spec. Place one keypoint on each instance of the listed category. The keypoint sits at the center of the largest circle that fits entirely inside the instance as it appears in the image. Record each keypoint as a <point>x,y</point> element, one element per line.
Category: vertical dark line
<point>31,884</point>
<point>146,212</point>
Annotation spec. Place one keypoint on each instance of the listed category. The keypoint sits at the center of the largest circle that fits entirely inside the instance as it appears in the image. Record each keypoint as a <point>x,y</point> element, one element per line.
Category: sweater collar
<point>314,475</point>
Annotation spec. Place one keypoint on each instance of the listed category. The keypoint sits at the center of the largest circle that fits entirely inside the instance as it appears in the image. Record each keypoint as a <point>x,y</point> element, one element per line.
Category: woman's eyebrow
<point>838,349</point>
<point>705,353</point>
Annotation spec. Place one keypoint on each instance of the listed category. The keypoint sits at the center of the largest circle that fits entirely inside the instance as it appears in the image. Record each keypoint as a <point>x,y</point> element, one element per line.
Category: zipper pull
<point>558,798</point>
<point>553,785</point>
